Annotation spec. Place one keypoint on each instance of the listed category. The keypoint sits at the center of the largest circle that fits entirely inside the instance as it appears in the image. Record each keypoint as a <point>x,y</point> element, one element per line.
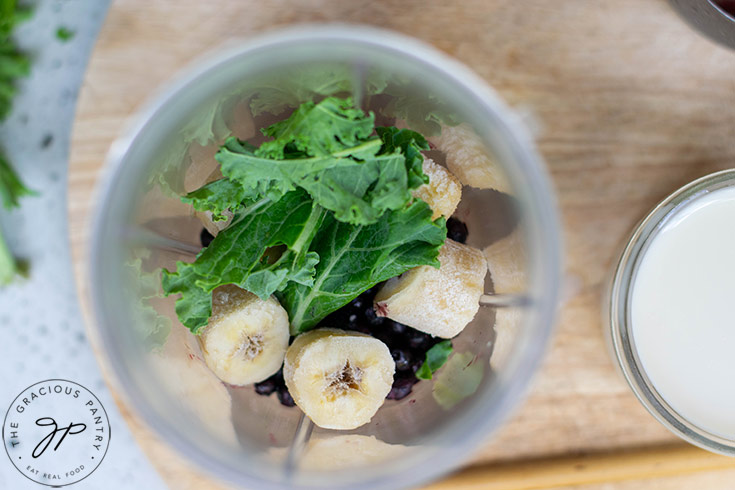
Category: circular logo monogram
<point>56,432</point>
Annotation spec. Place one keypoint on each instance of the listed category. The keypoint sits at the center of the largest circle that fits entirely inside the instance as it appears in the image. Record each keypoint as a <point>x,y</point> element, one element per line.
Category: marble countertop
<point>40,321</point>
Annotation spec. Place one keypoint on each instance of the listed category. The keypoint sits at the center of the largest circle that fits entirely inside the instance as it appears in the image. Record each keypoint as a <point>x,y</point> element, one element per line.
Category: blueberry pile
<point>276,384</point>
<point>407,345</point>
<point>456,230</point>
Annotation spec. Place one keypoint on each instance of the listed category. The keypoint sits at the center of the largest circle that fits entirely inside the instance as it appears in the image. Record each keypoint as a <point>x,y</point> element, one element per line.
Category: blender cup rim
<point>542,202</point>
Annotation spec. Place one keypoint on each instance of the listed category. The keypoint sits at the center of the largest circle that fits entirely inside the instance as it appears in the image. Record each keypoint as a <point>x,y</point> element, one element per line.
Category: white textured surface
<point>40,322</point>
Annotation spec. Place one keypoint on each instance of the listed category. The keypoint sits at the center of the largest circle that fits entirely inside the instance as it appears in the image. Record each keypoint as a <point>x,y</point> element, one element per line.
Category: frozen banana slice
<point>341,452</point>
<point>506,260</point>
<point>468,158</point>
<point>440,302</point>
<point>339,379</point>
<point>443,191</point>
<point>246,339</point>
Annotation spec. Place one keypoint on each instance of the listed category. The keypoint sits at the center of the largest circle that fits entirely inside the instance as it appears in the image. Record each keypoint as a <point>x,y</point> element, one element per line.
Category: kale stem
<point>310,227</point>
<point>7,263</point>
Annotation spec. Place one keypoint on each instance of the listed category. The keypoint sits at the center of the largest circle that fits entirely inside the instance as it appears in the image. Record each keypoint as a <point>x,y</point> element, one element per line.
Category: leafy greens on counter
<point>13,64</point>
<point>330,191</point>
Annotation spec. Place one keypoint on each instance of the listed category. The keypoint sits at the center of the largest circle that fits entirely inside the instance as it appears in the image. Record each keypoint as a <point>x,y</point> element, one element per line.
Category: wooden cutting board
<point>632,105</point>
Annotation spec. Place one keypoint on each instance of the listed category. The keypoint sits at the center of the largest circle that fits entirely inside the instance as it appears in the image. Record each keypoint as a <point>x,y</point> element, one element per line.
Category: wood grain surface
<point>632,104</point>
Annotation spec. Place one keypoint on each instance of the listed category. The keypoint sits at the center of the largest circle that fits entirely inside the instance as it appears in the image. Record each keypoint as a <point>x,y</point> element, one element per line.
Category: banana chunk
<point>246,339</point>
<point>506,260</point>
<point>442,193</point>
<point>468,158</point>
<point>338,379</point>
<point>440,302</point>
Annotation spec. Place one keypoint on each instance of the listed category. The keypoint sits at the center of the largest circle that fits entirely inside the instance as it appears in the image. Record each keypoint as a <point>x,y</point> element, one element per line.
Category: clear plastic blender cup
<point>141,226</point>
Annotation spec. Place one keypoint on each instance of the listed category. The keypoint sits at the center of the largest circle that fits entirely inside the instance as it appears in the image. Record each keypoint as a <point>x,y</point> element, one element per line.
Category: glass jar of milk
<point>671,312</point>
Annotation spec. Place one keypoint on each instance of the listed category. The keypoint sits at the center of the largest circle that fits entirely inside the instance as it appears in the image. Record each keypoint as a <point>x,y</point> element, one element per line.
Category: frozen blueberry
<point>401,389</point>
<point>205,237</point>
<point>384,334</point>
<point>362,328</point>
<point>397,328</point>
<point>456,230</point>
<point>285,397</point>
<point>418,340</point>
<point>278,377</point>
<point>357,304</point>
<point>372,317</point>
<point>402,359</point>
<point>416,364</point>
<point>266,387</point>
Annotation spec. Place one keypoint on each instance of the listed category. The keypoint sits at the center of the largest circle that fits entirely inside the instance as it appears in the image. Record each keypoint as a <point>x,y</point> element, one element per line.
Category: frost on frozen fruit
<point>468,158</point>
<point>339,379</point>
<point>440,302</point>
<point>246,339</point>
<point>442,193</point>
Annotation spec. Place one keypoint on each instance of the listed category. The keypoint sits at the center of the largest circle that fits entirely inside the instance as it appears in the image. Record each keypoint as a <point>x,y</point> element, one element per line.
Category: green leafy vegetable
<point>151,326</point>
<point>322,212</point>
<point>11,188</point>
<point>328,150</point>
<point>218,197</point>
<point>64,34</point>
<point>8,267</point>
<point>204,127</point>
<point>13,64</point>
<point>435,358</point>
<point>355,258</point>
<point>309,83</point>
<point>236,256</point>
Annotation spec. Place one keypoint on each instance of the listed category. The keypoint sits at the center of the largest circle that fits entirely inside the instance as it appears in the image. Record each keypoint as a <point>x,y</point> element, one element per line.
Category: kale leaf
<point>237,255</point>
<point>355,258</point>
<point>328,149</point>
<point>309,83</point>
<point>436,357</point>
<point>152,327</point>
<point>321,213</point>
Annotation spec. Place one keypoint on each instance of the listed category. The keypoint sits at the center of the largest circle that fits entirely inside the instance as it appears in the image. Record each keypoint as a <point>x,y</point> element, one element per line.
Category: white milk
<point>683,312</point>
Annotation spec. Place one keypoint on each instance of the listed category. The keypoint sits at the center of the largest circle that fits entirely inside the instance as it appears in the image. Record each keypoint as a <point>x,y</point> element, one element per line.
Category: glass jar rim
<point>619,314</point>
